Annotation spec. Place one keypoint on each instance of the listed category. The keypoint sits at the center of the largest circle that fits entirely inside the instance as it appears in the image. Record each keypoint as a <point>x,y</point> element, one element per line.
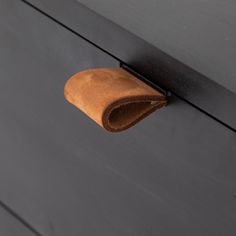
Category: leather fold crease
<point>112,97</point>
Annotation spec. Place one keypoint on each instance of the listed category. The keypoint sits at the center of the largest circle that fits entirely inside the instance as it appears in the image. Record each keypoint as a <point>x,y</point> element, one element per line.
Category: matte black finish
<point>172,174</point>
<point>190,84</point>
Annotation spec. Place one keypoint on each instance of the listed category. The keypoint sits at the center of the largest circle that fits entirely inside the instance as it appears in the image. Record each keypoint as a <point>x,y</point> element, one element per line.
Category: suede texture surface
<point>114,98</point>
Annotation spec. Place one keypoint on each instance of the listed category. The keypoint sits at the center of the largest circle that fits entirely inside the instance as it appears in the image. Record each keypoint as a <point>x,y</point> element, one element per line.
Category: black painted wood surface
<point>172,174</point>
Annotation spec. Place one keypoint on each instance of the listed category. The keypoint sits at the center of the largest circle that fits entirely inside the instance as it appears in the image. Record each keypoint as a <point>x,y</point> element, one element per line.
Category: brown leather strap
<point>112,97</point>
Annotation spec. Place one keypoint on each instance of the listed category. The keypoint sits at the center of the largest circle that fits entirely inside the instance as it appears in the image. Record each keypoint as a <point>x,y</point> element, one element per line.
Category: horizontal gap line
<point>20,219</point>
<point>206,113</point>
<point>168,93</point>
<point>71,30</point>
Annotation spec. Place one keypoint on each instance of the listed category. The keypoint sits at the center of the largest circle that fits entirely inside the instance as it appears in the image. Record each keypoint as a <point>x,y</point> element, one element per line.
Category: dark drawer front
<point>192,51</point>
<point>172,174</point>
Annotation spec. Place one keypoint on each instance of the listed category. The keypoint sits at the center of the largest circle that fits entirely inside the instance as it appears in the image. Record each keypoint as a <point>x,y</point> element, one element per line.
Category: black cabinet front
<point>171,174</point>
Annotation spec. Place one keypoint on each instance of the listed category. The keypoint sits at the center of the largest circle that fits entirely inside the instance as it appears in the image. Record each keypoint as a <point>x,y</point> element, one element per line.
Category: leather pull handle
<point>112,97</point>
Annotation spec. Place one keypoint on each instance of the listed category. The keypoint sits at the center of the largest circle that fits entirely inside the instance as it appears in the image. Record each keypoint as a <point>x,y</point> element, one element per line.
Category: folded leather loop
<point>112,97</point>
